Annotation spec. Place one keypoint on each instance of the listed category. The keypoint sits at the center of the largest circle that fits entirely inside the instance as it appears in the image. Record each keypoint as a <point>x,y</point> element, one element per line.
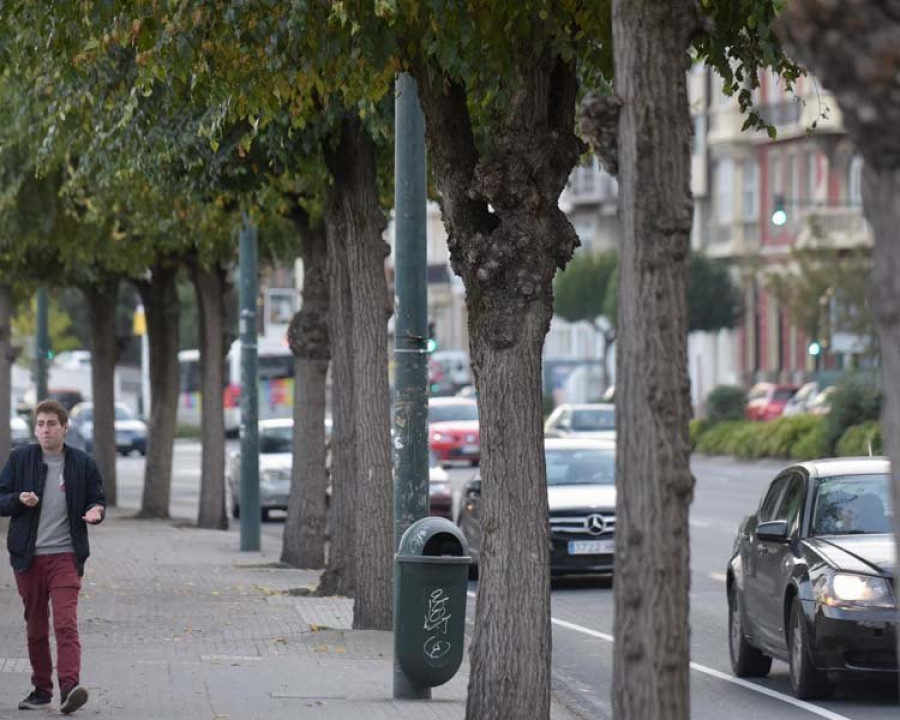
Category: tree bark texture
<point>7,357</point>
<point>303,544</point>
<point>853,46</point>
<point>507,237</point>
<point>102,298</point>
<point>339,577</point>
<point>210,286</point>
<point>354,196</point>
<point>653,477</point>
<point>160,299</point>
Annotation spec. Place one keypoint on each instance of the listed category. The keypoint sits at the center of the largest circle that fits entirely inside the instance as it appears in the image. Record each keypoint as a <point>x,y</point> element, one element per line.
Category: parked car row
<point>767,401</point>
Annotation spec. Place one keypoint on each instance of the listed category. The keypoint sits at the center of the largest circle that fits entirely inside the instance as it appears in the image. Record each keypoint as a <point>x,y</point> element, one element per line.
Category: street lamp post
<point>250,511</point>
<point>41,346</point>
<point>411,338</point>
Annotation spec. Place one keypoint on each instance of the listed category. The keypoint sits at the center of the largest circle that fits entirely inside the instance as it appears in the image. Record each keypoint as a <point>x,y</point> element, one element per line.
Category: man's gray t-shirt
<point>53,534</point>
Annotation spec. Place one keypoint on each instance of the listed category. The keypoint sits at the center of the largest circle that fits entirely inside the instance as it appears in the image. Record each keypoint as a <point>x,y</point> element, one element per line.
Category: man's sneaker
<point>37,700</point>
<point>72,699</point>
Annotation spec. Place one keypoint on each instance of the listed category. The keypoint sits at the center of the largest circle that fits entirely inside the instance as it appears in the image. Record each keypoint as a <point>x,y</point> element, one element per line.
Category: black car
<point>810,580</point>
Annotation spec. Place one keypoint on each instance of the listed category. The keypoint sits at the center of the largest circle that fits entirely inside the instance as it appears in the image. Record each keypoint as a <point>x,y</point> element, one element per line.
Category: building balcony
<point>836,227</point>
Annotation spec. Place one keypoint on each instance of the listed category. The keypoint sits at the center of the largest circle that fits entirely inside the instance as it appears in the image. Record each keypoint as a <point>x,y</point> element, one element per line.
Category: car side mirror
<point>773,531</point>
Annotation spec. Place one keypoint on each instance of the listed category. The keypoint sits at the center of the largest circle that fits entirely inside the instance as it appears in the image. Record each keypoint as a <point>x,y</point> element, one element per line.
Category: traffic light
<point>779,214</point>
<point>432,344</point>
<point>815,348</point>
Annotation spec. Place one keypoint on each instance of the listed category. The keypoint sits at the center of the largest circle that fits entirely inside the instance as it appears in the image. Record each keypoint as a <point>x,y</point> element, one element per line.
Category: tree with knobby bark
<point>852,47</point>
<point>498,85</point>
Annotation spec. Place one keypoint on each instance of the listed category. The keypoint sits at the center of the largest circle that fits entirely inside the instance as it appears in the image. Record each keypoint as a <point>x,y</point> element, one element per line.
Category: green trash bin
<point>430,585</point>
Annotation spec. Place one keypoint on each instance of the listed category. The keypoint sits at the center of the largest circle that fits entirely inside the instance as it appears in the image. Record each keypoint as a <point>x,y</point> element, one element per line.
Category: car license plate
<point>592,547</point>
<point>470,450</point>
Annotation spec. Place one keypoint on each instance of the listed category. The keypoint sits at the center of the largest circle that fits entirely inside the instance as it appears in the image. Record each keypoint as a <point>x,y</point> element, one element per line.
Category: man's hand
<point>29,499</point>
<point>94,515</point>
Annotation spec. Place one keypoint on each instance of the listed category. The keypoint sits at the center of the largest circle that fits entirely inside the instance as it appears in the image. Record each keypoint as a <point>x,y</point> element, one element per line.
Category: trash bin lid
<point>433,539</point>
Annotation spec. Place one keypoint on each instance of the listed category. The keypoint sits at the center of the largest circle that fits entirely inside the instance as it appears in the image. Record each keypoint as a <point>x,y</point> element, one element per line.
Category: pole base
<point>406,689</point>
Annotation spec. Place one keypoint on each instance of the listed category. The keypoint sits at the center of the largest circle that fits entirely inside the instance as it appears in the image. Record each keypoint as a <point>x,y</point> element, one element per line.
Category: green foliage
<point>579,291</point>
<point>799,437</point>
<point>859,440</point>
<point>855,400</point>
<point>714,301</point>
<point>738,43</point>
<point>725,403</point>
<point>59,324</point>
<point>811,445</point>
<point>825,288</point>
<point>696,429</point>
<point>589,286</point>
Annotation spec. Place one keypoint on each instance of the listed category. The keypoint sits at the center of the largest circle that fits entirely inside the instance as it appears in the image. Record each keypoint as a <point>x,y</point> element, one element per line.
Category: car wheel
<point>475,463</point>
<point>264,514</point>
<point>235,511</point>
<point>746,660</point>
<point>807,683</point>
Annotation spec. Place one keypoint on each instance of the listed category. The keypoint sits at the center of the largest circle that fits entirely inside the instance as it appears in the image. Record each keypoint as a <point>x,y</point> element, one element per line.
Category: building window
<point>751,190</point>
<point>724,191</point>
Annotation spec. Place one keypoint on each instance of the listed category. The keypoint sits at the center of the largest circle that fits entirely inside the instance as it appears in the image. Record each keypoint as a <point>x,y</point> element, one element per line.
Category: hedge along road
<point>726,491</point>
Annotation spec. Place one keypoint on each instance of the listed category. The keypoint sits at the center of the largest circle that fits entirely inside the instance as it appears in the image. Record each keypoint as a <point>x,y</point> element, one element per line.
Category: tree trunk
<point>852,47</point>
<point>881,195</point>
<point>354,197</point>
<point>210,287</point>
<point>7,357</point>
<point>160,298</point>
<point>6,361</point>
<point>102,298</point>
<point>304,531</point>
<point>653,477</point>
<point>507,237</point>
<point>339,577</point>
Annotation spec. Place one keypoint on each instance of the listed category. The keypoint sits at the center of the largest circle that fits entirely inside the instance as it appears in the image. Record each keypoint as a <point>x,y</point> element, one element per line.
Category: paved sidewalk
<point>176,623</point>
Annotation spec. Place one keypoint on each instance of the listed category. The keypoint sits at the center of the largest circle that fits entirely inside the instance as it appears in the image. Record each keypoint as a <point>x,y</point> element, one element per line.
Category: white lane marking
<point>721,577</point>
<point>809,707</point>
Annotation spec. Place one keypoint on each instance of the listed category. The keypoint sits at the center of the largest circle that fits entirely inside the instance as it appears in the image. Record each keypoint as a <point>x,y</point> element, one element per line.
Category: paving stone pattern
<point>177,623</point>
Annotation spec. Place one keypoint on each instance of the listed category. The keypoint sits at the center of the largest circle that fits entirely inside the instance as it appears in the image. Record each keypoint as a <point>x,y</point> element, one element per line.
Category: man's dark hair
<point>54,408</point>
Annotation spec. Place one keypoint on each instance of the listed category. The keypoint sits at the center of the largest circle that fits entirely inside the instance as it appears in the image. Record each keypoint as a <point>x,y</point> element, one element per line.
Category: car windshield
<point>275,440</point>
<point>594,419</point>
<point>783,394</point>
<point>452,413</point>
<point>581,467</point>
<point>123,413</point>
<point>852,505</point>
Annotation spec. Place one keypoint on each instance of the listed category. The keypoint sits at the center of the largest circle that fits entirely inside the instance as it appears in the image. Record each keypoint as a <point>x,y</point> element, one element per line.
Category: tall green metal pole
<point>41,346</point>
<point>411,331</point>
<point>250,511</point>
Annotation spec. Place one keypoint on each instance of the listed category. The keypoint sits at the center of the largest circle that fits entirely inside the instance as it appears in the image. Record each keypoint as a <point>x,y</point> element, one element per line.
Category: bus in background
<point>276,384</point>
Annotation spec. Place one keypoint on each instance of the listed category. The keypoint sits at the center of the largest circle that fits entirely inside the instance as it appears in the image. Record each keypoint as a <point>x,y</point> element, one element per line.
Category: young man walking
<point>52,492</point>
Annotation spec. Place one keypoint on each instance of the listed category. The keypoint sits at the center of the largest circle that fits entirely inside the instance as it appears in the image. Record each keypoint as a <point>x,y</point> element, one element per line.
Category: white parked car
<point>588,420</point>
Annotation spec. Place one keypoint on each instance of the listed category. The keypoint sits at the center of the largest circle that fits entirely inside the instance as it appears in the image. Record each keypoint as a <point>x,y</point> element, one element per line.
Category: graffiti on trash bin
<point>437,620</point>
<point>417,541</point>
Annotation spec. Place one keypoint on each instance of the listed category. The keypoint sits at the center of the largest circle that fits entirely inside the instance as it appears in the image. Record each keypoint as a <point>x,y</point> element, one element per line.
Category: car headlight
<point>437,437</point>
<point>273,477</point>
<point>850,590</point>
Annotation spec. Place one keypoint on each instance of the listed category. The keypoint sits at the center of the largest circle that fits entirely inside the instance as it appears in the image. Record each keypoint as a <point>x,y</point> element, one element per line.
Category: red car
<point>766,401</point>
<point>453,430</point>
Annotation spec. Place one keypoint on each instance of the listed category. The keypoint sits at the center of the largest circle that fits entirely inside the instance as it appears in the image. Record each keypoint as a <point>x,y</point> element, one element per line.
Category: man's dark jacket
<point>26,471</point>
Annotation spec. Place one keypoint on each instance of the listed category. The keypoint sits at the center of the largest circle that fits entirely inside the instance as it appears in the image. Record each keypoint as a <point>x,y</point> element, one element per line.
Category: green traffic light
<point>815,348</point>
<point>431,345</point>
